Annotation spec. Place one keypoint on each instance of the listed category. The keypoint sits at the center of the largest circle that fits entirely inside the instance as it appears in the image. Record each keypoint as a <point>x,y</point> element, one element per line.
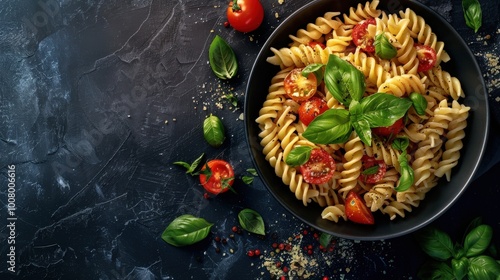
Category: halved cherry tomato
<point>298,87</point>
<point>427,57</point>
<point>311,108</point>
<point>389,131</point>
<point>360,36</point>
<point>319,168</point>
<point>245,15</point>
<point>379,172</point>
<point>356,209</point>
<point>313,44</point>
<point>220,176</point>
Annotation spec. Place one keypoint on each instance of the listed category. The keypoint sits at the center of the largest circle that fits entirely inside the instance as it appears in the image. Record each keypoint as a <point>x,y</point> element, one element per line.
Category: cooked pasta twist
<point>362,12</point>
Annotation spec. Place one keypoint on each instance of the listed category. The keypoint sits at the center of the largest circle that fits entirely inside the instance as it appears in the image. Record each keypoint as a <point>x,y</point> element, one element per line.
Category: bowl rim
<point>255,149</point>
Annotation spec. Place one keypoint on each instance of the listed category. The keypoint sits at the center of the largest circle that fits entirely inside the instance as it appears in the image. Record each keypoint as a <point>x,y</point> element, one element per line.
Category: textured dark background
<point>99,98</point>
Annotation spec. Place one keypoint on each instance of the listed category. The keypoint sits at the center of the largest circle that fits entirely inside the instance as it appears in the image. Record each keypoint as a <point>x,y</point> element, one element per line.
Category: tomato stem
<point>236,7</point>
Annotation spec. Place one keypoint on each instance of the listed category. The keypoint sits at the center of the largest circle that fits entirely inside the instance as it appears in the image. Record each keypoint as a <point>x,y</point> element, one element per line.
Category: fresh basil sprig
<point>186,230</point>
<point>377,110</point>
<point>298,155</point>
<point>252,221</point>
<point>469,260</point>
<point>222,59</point>
<point>213,131</point>
<point>248,179</point>
<point>419,102</point>
<point>344,81</point>
<point>383,48</point>
<point>472,13</point>
<point>407,175</point>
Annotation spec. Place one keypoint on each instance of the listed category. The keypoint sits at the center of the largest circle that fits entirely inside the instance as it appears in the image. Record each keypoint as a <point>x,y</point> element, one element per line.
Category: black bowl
<point>462,65</point>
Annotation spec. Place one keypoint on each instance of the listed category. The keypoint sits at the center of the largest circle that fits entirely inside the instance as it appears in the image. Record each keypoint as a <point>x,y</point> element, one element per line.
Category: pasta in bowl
<point>368,116</point>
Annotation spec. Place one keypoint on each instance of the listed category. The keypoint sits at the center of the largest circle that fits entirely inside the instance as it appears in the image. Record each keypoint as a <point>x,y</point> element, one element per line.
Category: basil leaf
<point>331,127</point>
<point>483,267</point>
<point>316,69</point>
<point>251,221</point>
<point>435,270</point>
<point>478,240</point>
<point>419,102</point>
<point>435,243</point>
<point>190,167</point>
<point>252,171</point>
<point>382,109</point>
<point>407,176</point>
<point>213,131</point>
<point>186,230</point>
<point>383,48</point>
<point>325,239</point>
<point>362,128</point>
<point>371,170</point>
<point>343,80</point>
<point>298,155</point>
<point>401,143</point>
<point>222,59</point>
<point>460,267</point>
<point>472,13</point>
<point>248,180</point>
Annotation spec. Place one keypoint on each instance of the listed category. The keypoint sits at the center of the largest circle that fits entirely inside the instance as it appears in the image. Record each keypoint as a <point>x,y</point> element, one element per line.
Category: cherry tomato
<point>319,168</point>
<point>220,176</point>
<point>298,87</point>
<point>370,162</point>
<point>313,44</point>
<point>356,210</point>
<point>360,35</point>
<point>245,15</point>
<point>311,108</point>
<point>426,57</point>
<point>389,131</point>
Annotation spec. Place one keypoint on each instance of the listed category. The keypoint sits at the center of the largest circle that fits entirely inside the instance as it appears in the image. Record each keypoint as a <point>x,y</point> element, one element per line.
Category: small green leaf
<point>298,155</point>
<point>407,176</point>
<point>478,240</point>
<point>190,167</point>
<point>401,144</point>
<point>331,127</point>
<point>213,131</point>
<point>231,98</point>
<point>316,69</point>
<point>325,239</point>
<point>382,109</point>
<point>252,171</point>
<point>371,170</point>
<point>435,243</point>
<point>460,267</point>
<point>472,13</point>
<point>435,270</point>
<point>483,267</point>
<point>251,221</point>
<point>222,59</point>
<point>186,230</point>
<point>383,48</point>
<point>419,102</point>
<point>248,180</point>
<point>343,80</point>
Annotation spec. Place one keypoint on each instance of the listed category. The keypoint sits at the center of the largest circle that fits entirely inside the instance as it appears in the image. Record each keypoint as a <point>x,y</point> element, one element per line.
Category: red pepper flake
<point>304,232</point>
<point>281,246</point>
<point>278,264</point>
<point>250,253</point>
<point>235,229</point>
<point>226,24</point>
<point>275,245</point>
<point>282,278</point>
<point>325,278</point>
<point>309,252</point>
<point>206,196</point>
<point>288,247</point>
<point>257,252</point>
<point>217,239</point>
<point>285,269</point>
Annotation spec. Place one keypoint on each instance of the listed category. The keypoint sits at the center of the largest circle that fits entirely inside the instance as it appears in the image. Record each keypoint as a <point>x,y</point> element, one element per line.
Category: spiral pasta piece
<point>402,85</point>
<point>440,78</point>
<point>362,12</point>
<point>352,167</point>
<point>314,31</point>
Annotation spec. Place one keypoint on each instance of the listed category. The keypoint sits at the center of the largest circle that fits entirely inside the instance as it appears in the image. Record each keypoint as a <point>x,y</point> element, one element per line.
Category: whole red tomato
<point>245,15</point>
